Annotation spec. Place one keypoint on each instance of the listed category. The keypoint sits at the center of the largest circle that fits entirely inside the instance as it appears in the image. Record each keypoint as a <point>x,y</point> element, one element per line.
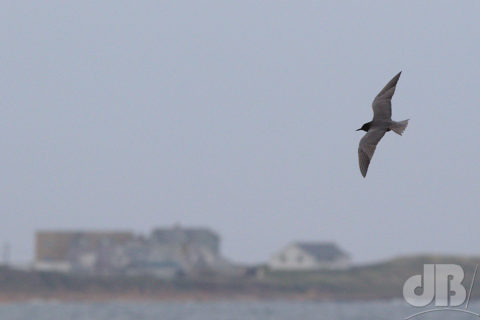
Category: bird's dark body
<point>366,126</point>
<point>380,124</point>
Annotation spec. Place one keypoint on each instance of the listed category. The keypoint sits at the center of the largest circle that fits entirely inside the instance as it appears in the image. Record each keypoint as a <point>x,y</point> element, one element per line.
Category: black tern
<point>381,123</point>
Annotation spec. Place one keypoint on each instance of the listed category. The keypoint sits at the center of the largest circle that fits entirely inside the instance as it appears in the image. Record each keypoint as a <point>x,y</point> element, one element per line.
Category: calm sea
<point>225,310</point>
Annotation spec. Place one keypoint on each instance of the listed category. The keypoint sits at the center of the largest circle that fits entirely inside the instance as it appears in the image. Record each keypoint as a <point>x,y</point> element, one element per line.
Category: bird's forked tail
<point>400,126</point>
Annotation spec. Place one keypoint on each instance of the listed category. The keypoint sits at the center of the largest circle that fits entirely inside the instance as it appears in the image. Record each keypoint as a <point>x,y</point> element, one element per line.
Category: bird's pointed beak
<point>358,129</point>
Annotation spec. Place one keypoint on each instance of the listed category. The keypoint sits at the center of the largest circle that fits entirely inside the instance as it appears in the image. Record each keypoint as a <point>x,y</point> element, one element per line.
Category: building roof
<point>181,234</point>
<point>322,251</point>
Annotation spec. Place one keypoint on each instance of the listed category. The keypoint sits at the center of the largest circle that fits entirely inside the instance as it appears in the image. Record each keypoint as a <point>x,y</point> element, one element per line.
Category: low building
<point>305,256</point>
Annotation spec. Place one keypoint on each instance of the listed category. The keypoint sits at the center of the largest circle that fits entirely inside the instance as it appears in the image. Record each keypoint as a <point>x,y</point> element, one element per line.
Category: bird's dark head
<point>366,126</point>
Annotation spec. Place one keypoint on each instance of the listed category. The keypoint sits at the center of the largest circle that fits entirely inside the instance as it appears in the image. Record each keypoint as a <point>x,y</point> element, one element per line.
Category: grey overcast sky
<point>241,117</point>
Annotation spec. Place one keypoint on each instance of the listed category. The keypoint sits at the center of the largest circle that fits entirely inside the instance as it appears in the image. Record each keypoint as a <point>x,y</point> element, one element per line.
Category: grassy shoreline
<point>372,282</point>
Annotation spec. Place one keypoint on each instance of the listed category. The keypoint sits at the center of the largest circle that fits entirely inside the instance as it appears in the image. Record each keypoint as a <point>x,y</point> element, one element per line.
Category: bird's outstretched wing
<point>366,148</point>
<point>382,104</point>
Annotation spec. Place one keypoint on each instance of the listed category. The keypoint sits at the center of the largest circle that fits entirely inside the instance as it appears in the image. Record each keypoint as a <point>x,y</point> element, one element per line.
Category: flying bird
<point>381,123</point>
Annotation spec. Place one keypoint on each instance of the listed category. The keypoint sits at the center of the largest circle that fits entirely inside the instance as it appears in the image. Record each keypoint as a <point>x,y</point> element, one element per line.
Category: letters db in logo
<point>439,282</point>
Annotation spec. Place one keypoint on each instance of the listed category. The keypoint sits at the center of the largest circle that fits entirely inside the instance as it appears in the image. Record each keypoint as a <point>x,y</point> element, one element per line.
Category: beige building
<point>305,256</point>
<point>65,251</point>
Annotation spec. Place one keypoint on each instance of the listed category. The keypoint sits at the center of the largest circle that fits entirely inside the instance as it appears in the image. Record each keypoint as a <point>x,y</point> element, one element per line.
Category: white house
<point>303,256</point>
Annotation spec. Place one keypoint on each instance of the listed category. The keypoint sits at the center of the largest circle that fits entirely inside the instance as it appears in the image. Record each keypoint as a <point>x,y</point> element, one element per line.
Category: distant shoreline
<point>168,297</point>
<point>382,281</point>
